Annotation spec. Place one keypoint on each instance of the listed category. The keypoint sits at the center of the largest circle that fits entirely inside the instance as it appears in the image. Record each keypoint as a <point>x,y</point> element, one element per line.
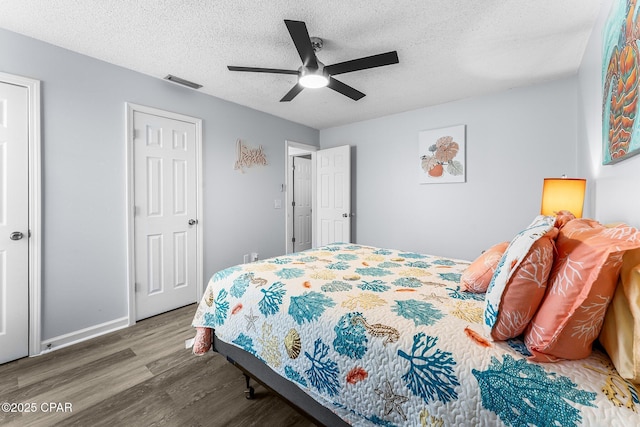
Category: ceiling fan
<point>313,73</point>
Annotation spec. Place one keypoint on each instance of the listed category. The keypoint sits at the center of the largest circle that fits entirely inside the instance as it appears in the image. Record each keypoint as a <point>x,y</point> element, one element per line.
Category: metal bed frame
<point>254,368</point>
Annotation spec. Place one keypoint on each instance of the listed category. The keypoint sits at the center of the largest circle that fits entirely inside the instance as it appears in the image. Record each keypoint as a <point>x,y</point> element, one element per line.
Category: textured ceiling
<point>448,49</point>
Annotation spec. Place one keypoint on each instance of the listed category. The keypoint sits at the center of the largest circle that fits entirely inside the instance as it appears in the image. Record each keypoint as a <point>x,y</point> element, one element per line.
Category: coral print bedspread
<point>385,337</point>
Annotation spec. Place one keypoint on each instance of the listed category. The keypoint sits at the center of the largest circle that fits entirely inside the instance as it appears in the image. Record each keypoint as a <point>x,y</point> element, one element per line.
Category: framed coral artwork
<point>441,155</point>
<point>620,66</point>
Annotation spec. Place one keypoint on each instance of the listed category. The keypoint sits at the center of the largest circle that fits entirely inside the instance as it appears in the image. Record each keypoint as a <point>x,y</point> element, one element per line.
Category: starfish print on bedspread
<point>392,401</point>
<point>251,320</point>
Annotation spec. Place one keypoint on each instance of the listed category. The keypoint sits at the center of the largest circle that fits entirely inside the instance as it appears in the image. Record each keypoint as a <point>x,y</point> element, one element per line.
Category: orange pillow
<point>582,283</point>
<point>477,276</point>
<point>525,289</point>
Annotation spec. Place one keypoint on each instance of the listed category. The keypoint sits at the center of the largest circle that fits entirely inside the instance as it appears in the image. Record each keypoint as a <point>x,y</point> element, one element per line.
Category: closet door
<point>166,185</point>
<point>14,222</point>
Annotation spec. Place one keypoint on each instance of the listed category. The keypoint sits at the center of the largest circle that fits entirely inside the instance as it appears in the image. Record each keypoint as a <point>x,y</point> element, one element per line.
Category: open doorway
<point>321,215</point>
<point>299,189</point>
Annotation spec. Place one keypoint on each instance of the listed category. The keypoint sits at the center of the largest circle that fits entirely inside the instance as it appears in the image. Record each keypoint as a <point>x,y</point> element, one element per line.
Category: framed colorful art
<point>441,155</point>
<point>620,67</point>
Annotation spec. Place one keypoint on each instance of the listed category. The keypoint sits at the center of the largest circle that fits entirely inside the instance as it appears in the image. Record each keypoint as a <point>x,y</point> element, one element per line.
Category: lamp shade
<point>563,194</point>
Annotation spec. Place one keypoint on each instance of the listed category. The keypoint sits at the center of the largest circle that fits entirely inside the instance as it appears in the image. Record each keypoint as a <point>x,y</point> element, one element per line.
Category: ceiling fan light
<point>313,78</point>
<point>313,81</point>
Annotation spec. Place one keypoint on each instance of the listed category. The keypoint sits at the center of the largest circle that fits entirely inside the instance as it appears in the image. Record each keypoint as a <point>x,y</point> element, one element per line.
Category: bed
<point>360,335</point>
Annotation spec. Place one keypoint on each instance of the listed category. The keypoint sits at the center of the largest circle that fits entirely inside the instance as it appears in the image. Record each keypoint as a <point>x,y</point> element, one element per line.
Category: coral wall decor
<point>442,155</point>
<point>620,67</point>
<point>247,157</point>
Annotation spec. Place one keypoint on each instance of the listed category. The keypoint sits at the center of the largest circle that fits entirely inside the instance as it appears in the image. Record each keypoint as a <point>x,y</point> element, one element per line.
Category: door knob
<point>193,221</point>
<point>16,235</point>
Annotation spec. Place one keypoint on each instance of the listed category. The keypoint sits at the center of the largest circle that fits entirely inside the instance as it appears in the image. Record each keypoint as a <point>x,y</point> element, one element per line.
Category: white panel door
<point>14,222</point>
<point>302,225</point>
<point>333,194</point>
<point>165,221</point>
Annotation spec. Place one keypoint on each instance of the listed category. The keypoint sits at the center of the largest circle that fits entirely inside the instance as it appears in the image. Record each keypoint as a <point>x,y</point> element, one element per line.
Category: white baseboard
<point>83,334</point>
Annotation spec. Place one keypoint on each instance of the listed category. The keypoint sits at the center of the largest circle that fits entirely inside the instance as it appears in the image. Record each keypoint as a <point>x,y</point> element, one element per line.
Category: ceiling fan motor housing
<point>316,44</point>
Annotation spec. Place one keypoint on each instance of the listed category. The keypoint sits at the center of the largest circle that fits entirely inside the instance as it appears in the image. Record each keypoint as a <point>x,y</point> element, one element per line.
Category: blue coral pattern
<point>379,335</point>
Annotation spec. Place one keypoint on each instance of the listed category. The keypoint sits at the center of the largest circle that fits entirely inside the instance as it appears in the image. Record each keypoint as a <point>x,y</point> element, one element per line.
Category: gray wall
<point>514,140</point>
<point>83,153</point>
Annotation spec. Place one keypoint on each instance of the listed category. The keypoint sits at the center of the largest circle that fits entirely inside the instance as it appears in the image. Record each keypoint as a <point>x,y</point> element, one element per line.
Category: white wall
<point>83,149</point>
<point>514,140</point>
<point>590,134</point>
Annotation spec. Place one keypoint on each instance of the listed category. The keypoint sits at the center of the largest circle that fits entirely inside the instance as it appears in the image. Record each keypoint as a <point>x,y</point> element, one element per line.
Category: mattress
<point>387,337</point>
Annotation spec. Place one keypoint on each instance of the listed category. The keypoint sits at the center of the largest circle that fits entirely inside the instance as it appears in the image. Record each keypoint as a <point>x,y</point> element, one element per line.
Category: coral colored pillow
<point>515,254</point>
<point>620,334</point>
<point>477,276</point>
<point>581,285</point>
<point>525,289</point>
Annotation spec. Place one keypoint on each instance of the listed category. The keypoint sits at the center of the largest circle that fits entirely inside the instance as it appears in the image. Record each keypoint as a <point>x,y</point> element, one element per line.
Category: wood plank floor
<point>138,376</point>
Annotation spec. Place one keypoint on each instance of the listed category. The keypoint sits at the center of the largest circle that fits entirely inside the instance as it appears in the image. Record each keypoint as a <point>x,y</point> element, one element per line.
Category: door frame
<point>131,108</point>
<point>35,207</point>
<point>291,149</point>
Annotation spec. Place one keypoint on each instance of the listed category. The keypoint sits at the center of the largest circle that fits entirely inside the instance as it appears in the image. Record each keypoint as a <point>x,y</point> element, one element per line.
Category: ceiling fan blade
<point>292,93</point>
<point>300,37</point>
<point>363,63</point>
<point>344,89</point>
<point>262,70</point>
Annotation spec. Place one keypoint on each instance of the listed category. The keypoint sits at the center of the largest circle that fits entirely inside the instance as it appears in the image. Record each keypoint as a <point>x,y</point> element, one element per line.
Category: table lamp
<point>563,194</point>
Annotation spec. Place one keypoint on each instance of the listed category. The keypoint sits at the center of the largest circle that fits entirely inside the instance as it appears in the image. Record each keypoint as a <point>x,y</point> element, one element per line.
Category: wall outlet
<point>254,256</point>
<point>245,258</point>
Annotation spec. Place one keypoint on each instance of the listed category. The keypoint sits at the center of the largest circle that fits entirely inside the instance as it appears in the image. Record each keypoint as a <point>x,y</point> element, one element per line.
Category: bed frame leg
<point>249,393</point>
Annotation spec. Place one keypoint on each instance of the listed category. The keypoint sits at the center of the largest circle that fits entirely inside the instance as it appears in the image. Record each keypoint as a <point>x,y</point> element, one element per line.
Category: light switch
<point>277,204</point>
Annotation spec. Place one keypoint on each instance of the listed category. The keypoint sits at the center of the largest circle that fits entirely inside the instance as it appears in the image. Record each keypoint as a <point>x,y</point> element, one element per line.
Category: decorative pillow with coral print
<point>477,276</point>
<point>581,285</point>
<point>514,255</point>
<point>525,289</point>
